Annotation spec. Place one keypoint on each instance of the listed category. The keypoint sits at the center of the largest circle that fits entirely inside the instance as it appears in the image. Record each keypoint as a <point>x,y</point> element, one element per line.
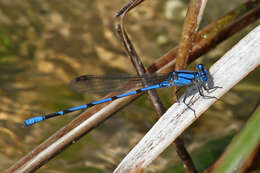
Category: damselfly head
<point>203,73</point>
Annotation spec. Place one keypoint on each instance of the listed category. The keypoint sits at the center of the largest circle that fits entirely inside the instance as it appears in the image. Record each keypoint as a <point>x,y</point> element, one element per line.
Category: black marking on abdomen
<point>138,91</point>
<point>114,97</point>
<point>66,111</point>
<point>90,105</point>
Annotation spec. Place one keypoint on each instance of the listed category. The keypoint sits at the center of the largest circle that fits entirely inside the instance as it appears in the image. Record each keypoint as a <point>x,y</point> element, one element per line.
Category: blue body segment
<point>79,107</point>
<point>177,78</point>
<point>102,101</point>
<point>126,94</point>
<point>34,120</point>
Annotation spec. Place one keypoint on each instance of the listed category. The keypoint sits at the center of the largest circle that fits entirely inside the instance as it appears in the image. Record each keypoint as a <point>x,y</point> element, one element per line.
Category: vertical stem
<point>189,30</point>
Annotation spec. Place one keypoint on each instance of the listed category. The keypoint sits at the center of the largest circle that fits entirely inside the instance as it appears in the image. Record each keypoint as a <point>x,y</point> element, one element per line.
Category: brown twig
<point>160,109</point>
<point>129,47</point>
<point>253,161</point>
<point>189,31</point>
<point>226,26</point>
<point>132,4</point>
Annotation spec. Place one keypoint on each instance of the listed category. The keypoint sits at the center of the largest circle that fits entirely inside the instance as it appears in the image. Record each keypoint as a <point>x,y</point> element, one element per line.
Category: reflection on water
<point>44,44</point>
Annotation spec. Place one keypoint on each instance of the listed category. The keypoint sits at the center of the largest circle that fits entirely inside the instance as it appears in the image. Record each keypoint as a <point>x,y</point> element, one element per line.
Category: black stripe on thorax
<point>185,72</point>
<point>193,73</point>
<point>191,79</point>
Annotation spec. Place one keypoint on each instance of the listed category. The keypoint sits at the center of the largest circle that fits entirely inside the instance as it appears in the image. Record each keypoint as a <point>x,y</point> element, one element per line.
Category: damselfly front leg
<point>199,87</point>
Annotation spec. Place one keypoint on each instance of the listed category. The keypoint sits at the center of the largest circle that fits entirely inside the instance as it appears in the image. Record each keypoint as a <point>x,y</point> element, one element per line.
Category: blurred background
<point>45,44</point>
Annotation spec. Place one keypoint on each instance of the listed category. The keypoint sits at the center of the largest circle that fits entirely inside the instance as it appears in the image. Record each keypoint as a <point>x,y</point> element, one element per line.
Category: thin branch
<point>131,4</point>
<point>189,31</point>
<point>243,58</point>
<point>160,109</point>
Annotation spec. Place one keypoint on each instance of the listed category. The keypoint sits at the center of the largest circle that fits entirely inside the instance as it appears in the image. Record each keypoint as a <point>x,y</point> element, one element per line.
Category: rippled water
<point>45,44</point>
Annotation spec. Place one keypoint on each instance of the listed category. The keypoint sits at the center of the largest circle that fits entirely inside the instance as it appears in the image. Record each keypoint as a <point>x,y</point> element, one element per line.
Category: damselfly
<point>91,83</point>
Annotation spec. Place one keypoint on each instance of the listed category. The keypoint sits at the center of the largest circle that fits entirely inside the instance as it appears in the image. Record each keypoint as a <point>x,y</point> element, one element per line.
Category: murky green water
<point>45,44</point>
